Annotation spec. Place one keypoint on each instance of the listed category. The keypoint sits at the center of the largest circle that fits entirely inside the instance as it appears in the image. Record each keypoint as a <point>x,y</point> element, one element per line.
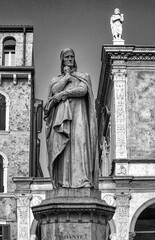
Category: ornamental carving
<point>23,223</point>
<point>109,199</point>
<point>121,170</point>
<point>24,201</point>
<point>23,213</point>
<point>36,201</point>
<point>119,77</point>
<point>139,55</point>
<point>122,212</point>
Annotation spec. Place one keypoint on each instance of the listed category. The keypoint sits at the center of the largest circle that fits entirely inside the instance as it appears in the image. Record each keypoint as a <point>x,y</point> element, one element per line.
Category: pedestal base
<point>73,214</point>
<point>118,42</point>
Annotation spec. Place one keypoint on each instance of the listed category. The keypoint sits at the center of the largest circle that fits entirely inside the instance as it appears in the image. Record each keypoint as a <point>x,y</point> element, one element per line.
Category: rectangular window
<point>4,232</point>
<point>9,57</point>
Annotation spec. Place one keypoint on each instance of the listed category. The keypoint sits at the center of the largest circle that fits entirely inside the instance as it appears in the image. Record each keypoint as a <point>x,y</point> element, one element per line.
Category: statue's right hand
<point>67,72</point>
<point>66,69</point>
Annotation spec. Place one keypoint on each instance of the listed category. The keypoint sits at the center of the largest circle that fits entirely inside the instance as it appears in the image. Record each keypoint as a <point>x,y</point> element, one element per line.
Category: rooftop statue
<point>116,21</point>
<point>71,131</point>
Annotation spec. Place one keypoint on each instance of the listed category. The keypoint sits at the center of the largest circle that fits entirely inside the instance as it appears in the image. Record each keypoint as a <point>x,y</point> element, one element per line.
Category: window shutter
<point>6,232</point>
<point>2,112</point>
<point>1,174</point>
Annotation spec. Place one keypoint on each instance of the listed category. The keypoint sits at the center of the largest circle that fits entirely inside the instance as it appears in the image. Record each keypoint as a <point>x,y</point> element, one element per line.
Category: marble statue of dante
<point>116,21</point>
<point>71,130</point>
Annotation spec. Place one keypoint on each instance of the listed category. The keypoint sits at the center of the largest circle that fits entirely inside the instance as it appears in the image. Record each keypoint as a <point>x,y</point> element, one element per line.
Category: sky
<point>83,25</point>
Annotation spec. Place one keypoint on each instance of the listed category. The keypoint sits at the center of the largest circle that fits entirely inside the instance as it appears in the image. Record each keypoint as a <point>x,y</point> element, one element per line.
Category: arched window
<point>1,174</point>
<point>2,112</point>
<point>9,45</point>
<point>145,225</point>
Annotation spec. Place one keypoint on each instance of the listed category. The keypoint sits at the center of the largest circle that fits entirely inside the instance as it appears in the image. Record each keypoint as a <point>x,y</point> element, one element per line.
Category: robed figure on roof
<point>116,21</point>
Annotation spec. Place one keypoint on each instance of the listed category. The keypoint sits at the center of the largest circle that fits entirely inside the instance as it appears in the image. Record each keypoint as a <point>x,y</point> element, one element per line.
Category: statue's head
<point>67,57</point>
<point>117,11</point>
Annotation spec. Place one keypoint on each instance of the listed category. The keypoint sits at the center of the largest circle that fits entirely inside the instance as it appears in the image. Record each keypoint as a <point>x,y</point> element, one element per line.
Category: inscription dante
<point>71,236</point>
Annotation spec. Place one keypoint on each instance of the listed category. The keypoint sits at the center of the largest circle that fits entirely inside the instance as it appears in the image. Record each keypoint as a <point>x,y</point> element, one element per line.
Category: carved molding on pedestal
<point>73,214</point>
<point>119,77</point>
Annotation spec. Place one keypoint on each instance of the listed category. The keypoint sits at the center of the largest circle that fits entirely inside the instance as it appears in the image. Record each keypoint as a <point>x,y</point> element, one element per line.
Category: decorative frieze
<point>119,77</point>
<point>129,53</point>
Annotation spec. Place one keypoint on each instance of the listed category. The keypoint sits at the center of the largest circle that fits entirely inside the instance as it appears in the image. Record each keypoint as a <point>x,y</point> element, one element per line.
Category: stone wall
<point>141,113</point>
<point>15,143</point>
<point>8,207</point>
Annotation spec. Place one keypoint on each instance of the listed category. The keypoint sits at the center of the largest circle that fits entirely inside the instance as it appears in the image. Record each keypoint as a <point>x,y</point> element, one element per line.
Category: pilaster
<point>119,78</point>
<point>23,216</point>
<point>122,215</point>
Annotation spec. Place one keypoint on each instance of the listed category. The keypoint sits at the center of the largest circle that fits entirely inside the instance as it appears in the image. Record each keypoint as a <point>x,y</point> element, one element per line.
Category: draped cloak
<point>72,140</point>
<point>116,25</point>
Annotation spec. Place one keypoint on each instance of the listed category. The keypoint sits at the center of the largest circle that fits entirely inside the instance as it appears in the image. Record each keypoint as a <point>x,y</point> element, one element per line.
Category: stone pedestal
<point>118,42</point>
<point>73,214</point>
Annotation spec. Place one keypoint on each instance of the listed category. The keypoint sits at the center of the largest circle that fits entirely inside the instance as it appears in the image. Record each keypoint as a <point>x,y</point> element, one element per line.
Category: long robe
<point>71,136</point>
<point>116,26</point>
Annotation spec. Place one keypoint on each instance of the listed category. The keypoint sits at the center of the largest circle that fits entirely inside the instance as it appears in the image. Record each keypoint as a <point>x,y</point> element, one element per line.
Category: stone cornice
<point>126,183</point>
<point>16,28</point>
<point>135,161</point>
<point>14,69</point>
<point>17,73</point>
<point>70,206</point>
<point>128,53</point>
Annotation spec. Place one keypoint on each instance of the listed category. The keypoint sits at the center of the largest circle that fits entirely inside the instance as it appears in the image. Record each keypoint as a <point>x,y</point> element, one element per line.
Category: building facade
<point>126,122</point>
<point>126,125</point>
<point>19,127</point>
